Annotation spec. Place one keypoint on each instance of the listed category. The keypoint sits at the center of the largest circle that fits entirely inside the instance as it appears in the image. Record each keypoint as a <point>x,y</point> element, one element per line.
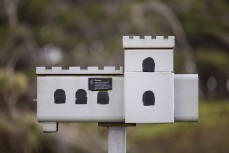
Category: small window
<point>148,65</point>
<point>148,98</point>
<point>81,96</point>
<point>103,98</point>
<point>59,96</point>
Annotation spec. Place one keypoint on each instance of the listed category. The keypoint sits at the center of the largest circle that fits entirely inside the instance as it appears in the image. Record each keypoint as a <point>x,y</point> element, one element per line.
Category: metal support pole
<point>116,139</point>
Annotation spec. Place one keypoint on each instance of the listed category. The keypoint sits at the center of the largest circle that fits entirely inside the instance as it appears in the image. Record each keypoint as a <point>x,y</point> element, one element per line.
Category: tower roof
<point>148,42</point>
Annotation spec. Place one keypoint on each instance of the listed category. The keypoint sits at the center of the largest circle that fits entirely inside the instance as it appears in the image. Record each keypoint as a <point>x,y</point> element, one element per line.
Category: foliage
<point>209,135</point>
<point>12,86</point>
<point>89,33</point>
<point>12,81</point>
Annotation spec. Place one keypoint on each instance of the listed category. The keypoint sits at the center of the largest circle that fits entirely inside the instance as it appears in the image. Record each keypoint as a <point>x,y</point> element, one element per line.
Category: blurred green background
<point>87,33</point>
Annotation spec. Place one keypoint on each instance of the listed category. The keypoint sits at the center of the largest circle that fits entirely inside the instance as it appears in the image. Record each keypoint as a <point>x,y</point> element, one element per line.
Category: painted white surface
<point>117,140</point>
<point>50,126</point>
<point>163,59</point>
<point>47,110</point>
<point>186,97</point>
<point>176,96</point>
<point>148,42</point>
<point>78,70</point>
<point>162,84</point>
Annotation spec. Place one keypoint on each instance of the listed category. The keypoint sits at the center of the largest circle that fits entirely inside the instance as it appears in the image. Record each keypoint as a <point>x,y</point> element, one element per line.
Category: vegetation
<point>84,32</point>
<point>209,135</point>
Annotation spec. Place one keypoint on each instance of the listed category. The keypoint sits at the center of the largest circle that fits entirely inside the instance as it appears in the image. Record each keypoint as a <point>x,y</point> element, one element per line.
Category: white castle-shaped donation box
<point>146,92</point>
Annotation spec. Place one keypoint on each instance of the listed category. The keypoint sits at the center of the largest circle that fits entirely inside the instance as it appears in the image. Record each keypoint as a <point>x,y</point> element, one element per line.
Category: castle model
<point>146,91</point>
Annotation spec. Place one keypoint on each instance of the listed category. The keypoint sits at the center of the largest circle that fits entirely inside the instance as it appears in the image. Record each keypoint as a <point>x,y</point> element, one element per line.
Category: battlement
<point>77,70</point>
<point>148,42</point>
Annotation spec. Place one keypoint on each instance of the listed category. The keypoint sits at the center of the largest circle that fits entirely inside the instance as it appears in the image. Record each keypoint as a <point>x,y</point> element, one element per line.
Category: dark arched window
<point>59,96</point>
<point>81,96</point>
<point>148,98</point>
<point>103,97</point>
<point>148,65</point>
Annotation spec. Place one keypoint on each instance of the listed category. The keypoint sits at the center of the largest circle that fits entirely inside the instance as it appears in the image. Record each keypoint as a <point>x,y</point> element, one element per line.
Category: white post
<point>116,139</point>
